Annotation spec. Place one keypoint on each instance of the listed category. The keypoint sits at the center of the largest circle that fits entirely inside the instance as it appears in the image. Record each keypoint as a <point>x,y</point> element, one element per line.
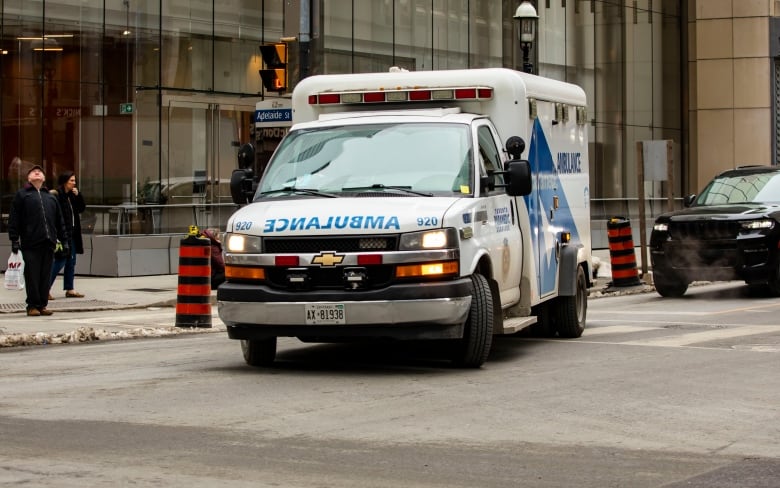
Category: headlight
<point>429,239</point>
<point>661,226</point>
<point>758,224</point>
<point>242,243</point>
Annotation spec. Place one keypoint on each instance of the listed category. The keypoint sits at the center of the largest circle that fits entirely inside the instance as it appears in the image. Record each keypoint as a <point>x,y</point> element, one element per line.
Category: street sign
<point>277,117</point>
<point>125,108</point>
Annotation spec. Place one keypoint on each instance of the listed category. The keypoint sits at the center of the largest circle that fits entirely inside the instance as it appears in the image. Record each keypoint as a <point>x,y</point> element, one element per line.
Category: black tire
<point>773,285</point>
<point>669,287</point>
<point>259,352</point>
<point>473,349</point>
<point>545,321</point>
<point>572,311</point>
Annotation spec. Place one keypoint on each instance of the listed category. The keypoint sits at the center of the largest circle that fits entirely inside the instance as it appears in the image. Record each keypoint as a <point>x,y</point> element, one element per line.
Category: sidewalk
<point>142,292</point>
<point>100,293</point>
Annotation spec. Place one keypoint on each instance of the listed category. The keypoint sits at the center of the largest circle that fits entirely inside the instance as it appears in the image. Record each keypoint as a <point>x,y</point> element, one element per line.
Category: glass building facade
<point>149,101</point>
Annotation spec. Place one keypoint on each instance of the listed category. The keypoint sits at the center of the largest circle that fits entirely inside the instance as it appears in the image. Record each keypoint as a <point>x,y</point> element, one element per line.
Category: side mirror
<point>688,200</point>
<point>518,174</point>
<point>241,186</point>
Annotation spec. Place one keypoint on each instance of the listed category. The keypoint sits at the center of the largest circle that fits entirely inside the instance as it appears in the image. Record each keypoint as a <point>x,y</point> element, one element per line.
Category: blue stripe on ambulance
<point>539,204</point>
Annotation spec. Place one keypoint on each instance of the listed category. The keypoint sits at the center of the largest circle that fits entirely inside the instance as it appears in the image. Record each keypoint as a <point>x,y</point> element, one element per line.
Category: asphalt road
<point>656,393</point>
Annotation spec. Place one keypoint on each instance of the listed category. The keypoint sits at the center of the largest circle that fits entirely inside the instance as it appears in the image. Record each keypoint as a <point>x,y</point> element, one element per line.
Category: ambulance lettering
<point>502,219</point>
<point>360,222</point>
<point>569,162</point>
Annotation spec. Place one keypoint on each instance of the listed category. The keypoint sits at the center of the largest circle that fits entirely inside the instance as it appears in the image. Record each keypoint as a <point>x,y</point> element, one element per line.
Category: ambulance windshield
<point>407,159</point>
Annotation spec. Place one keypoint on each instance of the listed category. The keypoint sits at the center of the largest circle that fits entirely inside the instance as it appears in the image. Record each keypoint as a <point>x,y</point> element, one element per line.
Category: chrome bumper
<point>438,311</point>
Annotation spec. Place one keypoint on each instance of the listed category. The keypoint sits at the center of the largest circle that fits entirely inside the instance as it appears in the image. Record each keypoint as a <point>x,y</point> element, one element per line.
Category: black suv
<point>731,231</point>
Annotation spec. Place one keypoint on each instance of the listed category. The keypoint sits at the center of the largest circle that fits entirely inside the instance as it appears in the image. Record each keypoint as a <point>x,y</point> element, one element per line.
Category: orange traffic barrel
<point>193,298</point>
<point>621,252</point>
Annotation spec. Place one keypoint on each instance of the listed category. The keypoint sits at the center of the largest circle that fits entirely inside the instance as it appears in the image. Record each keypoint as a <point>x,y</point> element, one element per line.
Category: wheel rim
<point>581,300</point>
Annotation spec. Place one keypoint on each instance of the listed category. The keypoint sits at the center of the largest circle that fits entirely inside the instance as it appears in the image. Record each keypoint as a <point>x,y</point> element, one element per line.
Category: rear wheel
<point>259,352</point>
<point>545,321</point>
<point>571,311</point>
<point>473,349</point>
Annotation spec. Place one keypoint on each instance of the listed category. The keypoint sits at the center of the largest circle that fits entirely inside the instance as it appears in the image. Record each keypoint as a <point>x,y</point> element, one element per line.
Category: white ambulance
<point>403,205</point>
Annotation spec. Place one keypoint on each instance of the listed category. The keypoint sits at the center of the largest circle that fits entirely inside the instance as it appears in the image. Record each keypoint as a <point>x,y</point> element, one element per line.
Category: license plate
<point>325,314</point>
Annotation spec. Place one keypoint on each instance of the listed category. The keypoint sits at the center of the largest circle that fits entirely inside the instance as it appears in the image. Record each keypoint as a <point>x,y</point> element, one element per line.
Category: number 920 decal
<point>242,225</point>
<point>427,221</point>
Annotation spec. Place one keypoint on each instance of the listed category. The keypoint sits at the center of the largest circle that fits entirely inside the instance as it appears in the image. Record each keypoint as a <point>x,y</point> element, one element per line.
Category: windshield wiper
<point>380,186</point>
<point>303,191</point>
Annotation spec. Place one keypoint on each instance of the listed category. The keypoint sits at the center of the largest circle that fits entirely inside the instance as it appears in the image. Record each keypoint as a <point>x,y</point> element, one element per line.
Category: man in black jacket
<point>34,227</point>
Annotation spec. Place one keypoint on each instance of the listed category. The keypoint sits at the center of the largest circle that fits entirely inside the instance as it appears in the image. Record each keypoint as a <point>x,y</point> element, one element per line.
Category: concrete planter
<point>131,255</point>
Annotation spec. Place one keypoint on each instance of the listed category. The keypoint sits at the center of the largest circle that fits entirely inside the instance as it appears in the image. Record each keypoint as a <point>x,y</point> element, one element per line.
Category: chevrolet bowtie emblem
<point>327,259</point>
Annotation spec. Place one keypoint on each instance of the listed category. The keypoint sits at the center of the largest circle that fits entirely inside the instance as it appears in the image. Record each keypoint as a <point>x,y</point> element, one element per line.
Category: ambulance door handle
<point>512,210</point>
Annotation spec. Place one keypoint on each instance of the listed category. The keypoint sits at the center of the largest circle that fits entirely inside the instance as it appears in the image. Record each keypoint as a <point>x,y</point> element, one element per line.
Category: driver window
<point>489,157</point>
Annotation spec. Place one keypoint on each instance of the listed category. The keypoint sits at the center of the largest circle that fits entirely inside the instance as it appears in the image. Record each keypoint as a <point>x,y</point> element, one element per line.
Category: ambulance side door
<point>502,233</point>
<point>542,208</point>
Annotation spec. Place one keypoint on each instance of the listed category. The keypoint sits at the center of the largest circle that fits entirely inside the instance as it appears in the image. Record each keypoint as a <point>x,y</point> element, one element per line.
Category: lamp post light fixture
<point>526,19</point>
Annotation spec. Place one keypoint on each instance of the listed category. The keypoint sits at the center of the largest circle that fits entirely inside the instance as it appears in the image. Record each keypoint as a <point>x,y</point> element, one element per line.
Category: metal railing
<point>131,218</point>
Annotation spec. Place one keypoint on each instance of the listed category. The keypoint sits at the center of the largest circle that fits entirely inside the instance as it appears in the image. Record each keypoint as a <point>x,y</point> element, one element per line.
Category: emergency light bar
<point>392,96</point>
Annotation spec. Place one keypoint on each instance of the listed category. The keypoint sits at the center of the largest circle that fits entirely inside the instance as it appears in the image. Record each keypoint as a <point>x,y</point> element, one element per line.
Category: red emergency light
<point>286,261</point>
<point>369,259</point>
<point>473,93</point>
<point>419,95</point>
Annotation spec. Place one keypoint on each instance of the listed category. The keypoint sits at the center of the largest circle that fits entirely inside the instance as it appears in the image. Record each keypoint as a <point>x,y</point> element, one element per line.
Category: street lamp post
<point>526,19</point>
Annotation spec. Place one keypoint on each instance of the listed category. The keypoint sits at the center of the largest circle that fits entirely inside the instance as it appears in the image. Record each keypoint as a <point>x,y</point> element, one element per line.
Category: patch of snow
<point>89,334</point>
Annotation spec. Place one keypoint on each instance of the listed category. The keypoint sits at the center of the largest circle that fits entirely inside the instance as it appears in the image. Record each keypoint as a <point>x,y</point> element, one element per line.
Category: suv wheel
<point>669,287</point>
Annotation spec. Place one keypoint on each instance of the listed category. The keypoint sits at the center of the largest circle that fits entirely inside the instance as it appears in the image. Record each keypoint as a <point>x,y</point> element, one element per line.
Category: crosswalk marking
<point>616,329</point>
<point>759,308</point>
<point>706,336</point>
<point>610,334</point>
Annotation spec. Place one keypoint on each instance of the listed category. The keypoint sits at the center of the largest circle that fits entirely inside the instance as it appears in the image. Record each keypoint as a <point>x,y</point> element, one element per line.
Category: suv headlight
<point>758,224</point>
<point>429,239</point>
<point>661,226</point>
<point>242,243</point>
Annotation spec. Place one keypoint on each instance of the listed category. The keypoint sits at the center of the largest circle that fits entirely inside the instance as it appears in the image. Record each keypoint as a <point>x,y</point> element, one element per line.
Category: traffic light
<point>274,75</point>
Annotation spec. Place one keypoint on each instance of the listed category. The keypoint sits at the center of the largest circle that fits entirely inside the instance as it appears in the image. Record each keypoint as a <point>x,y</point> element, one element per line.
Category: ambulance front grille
<point>295,245</point>
<point>318,278</point>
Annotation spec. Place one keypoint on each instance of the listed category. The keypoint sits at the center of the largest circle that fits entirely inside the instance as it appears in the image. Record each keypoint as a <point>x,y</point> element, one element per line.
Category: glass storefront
<point>149,101</point>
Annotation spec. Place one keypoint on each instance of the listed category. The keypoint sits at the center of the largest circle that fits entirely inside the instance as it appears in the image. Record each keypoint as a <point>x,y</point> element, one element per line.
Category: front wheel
<point>669,288</point>
<point>259,352</point>
<point>773,286</point>
<point>473,349</point>
<point>571,311</point>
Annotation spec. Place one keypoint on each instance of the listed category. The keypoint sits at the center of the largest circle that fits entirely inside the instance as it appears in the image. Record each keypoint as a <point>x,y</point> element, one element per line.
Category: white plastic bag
<point>14,274</point>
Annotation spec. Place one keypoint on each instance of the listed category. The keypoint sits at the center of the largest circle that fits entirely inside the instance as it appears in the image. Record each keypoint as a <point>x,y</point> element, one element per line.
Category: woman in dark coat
<point>217,262</point>
<point>72,204</point>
